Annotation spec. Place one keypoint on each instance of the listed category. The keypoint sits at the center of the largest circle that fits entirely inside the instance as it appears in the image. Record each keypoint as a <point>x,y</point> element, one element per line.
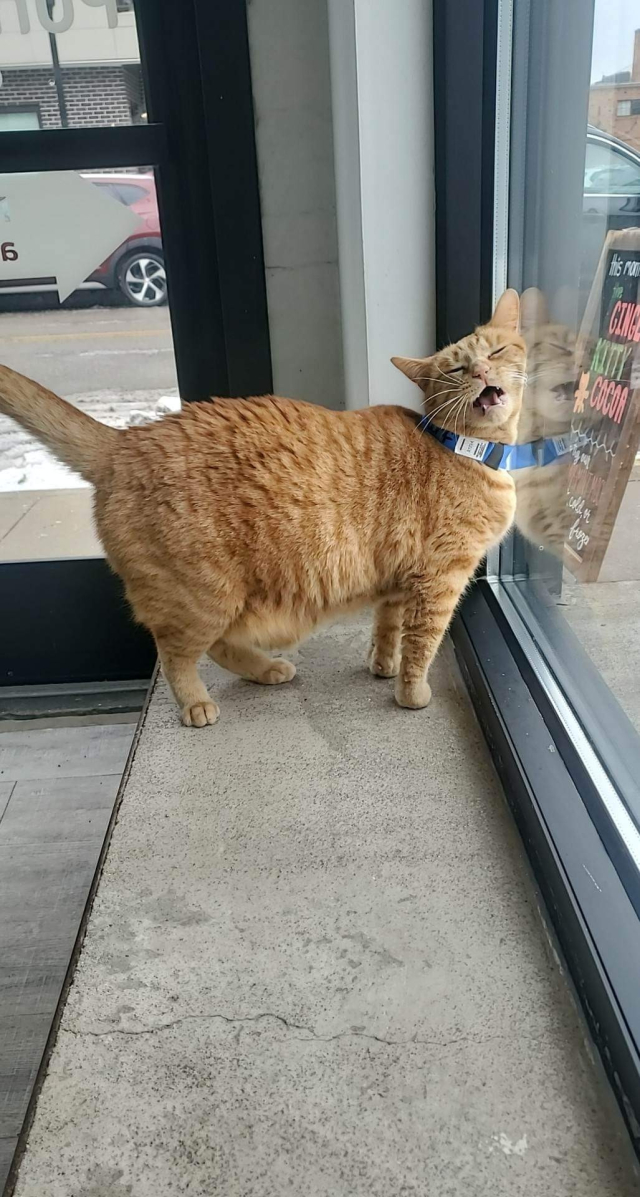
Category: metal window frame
<point>200,140</point>
<point>570,778</point>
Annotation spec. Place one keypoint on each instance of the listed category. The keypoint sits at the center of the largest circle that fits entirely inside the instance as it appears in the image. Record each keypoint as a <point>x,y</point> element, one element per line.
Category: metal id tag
<point>470,446</point>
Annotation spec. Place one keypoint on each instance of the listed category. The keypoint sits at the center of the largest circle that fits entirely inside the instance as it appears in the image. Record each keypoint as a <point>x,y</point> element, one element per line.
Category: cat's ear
<point>533,309</point>
<point>413,367</point>
<point>507,311</point>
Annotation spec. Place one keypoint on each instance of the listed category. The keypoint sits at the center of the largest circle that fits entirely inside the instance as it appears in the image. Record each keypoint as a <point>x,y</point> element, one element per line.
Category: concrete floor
<point>315,965</point>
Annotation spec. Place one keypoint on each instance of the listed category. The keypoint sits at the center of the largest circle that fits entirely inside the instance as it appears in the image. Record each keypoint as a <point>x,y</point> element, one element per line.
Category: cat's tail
<point>74,437</point>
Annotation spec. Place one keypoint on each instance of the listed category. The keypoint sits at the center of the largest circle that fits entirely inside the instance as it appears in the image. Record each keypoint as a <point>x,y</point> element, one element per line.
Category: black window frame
<point>555,760</point>
<point>200,140</point>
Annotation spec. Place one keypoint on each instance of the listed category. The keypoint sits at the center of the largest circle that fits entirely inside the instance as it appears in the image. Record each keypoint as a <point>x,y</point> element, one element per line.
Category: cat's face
<point>551,378</point>
<point>475,386</point>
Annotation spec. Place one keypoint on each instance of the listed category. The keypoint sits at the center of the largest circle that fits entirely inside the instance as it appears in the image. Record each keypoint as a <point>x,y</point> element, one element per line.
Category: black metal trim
<point>584,895</point>
<point>82,149</point>
<point>171,71</point>
<point>225,67</point>
<point>598,711</point>
<point>613,739</point>
<point>464,101</point>
<point>79,627</point>
<point>72,701</point>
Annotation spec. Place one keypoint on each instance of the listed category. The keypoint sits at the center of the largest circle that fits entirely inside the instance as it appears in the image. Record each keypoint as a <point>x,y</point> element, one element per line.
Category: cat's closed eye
<point>456,370</point>
<point>497,351</point>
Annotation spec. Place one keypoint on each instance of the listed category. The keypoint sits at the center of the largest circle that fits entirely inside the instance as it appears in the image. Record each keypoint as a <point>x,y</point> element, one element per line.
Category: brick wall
<point>94,95</point>
<point>31,87</point>
<point>603,111</point>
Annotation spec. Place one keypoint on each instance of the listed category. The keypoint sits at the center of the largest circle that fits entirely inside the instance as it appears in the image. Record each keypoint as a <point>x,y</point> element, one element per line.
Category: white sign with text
<point>57,226</point>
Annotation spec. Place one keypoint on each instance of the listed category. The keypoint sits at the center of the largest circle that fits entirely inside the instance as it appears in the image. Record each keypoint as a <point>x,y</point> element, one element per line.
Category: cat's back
<point>228,430</point>
<point>256,438</point>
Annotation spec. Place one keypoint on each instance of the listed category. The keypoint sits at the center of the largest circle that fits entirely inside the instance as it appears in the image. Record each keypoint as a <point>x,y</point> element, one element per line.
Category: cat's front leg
<point>428,610</point>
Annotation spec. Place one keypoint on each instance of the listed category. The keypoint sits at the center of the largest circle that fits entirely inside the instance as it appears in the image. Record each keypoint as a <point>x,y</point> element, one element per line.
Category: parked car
<point>611,179</point>
<point>136,268</point>
<point>611,198</point>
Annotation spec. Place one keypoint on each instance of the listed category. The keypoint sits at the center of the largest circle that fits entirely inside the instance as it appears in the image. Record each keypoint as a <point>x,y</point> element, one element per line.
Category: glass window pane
<point>74,63</point>
<point>575,256</point>
<point>15,119</point>
<point>107,348</point>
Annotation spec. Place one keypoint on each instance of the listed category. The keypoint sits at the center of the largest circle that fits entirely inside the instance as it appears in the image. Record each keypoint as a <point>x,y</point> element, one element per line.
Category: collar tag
<point>562,444</point>
<point>470,446</point>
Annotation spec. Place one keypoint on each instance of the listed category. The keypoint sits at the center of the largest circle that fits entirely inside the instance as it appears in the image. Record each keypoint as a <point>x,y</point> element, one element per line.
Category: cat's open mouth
<point>489,397</point>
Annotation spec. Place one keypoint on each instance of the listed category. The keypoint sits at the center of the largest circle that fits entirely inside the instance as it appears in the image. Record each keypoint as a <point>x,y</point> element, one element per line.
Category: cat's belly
<point>273,627</point>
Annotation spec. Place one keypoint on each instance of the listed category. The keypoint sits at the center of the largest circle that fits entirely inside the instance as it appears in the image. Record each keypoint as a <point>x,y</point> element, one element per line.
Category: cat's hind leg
<point>252,664</point>
<point>386,640</point>
<point>179,659</point>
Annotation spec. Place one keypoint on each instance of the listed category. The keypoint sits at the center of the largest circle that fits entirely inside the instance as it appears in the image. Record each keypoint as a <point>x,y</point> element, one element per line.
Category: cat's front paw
<point>413,695</point>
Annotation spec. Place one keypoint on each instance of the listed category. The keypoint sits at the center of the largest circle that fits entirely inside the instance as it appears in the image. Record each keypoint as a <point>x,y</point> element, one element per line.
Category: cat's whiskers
<point>442,407</point>
<point>459,411</point>
<point>429,418</point>
<point>429,378</point>
<point>543,371</point>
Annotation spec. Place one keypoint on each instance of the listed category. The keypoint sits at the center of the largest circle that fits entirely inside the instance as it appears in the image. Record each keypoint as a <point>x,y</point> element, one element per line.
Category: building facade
<point>614,102</point>
<point>98,80</point>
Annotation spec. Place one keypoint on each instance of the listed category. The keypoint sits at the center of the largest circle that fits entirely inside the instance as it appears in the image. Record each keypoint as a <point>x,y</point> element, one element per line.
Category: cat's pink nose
<point>480,372</point>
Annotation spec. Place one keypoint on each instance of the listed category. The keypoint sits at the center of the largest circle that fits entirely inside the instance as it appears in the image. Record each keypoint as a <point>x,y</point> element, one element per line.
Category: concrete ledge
<point>315,966</point>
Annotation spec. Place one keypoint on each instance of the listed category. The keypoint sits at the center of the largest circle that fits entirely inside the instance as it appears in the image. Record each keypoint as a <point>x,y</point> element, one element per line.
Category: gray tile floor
<point>57,790</point>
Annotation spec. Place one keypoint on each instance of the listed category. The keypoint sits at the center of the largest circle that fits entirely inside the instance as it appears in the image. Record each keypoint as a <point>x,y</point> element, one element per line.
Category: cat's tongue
<point>490,397</point>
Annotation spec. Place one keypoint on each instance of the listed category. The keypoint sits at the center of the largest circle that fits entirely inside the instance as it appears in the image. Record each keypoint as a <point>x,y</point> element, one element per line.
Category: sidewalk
<point>315,966</point>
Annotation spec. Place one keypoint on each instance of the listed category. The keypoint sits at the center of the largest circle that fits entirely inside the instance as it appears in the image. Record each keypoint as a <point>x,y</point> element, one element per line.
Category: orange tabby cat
<point>239,525</point>
<point>542,514</point>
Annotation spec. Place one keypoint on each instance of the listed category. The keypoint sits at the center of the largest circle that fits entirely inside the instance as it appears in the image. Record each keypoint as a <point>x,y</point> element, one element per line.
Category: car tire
<point>142,278</point>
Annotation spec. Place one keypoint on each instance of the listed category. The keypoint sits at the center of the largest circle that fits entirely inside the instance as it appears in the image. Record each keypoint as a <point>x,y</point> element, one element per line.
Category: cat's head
<point>475,386</point>
<point>551,370</point>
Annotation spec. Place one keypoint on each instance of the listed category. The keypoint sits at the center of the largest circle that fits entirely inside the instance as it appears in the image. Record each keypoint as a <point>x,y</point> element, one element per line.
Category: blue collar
<point>502,457</point>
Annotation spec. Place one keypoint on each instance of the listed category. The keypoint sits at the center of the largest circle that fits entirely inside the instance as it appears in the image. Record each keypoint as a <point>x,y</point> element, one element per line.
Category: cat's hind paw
<point>381,666</point>
<point>201,714</point>
<point>278,671</point>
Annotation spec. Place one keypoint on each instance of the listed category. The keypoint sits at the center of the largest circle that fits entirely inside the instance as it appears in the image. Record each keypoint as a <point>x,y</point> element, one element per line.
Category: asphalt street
<point>114,362</point>
<point>90,350</point>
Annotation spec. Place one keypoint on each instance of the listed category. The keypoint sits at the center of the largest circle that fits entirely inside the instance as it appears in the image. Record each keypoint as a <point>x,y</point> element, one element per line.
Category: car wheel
<point>142,278</point>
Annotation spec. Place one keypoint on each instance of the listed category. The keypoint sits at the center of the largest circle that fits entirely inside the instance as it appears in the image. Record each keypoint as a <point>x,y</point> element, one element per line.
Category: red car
<point>136,268</point>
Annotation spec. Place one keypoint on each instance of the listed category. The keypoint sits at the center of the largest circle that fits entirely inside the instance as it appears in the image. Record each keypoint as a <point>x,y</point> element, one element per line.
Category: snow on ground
<point>26,465</point>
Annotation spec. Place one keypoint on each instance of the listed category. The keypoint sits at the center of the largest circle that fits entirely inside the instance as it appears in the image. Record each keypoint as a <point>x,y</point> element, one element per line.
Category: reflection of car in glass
<point>136,268</point>
<point>611,195</point>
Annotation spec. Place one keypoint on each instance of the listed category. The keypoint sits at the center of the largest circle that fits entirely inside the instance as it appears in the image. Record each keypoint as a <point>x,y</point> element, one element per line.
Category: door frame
<point>67,621</point>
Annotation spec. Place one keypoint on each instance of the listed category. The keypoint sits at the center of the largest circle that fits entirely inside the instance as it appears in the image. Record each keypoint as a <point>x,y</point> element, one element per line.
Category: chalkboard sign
<point>606,415</point>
